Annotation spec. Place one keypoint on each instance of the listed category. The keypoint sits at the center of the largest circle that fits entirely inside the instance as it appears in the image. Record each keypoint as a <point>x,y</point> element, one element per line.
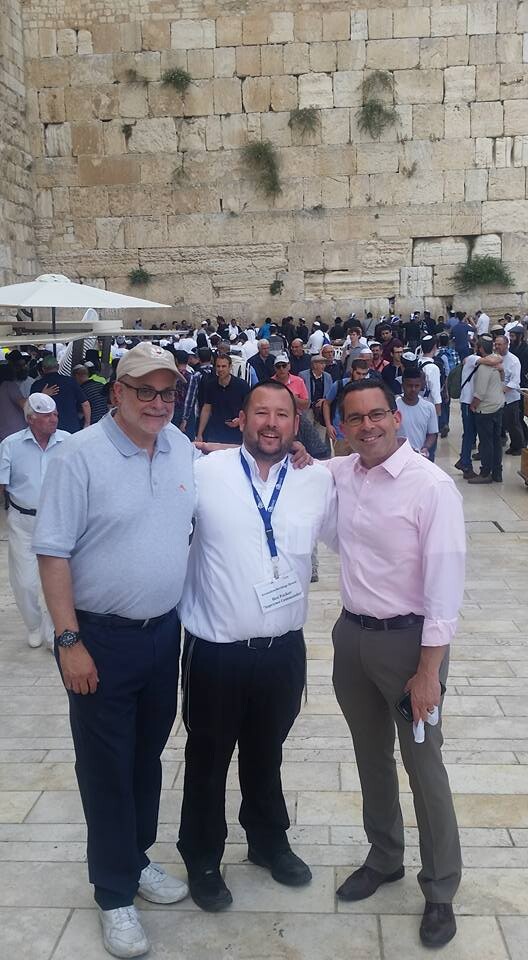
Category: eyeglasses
<point>356,419</point>
<point>146,394</point>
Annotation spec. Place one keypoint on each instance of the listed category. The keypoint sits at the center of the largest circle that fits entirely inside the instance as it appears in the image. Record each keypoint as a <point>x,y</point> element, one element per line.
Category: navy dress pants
<point>119,733</point>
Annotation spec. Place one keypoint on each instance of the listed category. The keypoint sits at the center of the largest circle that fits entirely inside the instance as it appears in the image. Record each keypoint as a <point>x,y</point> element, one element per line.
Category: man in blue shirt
<point>460,335</point>
<point>71,401</point>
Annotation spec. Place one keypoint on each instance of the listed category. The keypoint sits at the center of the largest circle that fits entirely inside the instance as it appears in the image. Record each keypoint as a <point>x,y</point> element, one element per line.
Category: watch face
<point>67,638</point>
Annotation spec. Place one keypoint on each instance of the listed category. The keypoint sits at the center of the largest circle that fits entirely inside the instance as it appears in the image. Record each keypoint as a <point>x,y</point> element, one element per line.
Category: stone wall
<point>128,173</point>
<point>17,251</point>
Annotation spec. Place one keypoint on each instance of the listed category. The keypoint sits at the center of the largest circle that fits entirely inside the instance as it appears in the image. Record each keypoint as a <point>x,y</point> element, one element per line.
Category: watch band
<point>68,638</point>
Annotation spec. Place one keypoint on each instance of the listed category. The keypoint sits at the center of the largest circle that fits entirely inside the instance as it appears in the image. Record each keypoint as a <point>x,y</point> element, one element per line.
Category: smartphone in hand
<point>404,705</point>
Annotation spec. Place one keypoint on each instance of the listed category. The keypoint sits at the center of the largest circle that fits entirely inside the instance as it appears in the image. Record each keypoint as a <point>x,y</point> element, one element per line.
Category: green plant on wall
<point>375,115</point>
<point>177,78</point>
<point>479,271</point>
<point>305,120</point>
<point>276,287</point>
<point>261,158</point>
<point>139,277</point>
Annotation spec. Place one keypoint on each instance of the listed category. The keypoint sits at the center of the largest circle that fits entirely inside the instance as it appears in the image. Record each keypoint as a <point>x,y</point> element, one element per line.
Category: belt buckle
<point>145,623</point>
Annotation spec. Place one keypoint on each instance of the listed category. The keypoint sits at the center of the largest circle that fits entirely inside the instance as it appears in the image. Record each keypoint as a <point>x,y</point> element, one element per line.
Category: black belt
<point>26,513</point>
<point>112,620</point>
<point>264,643</point>
<point>393,623</point>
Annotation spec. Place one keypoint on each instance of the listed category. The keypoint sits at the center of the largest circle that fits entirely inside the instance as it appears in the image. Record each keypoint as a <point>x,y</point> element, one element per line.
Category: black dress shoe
<point>365,881</point>
<point>513,453</point>
<point>285,867</point>
<point>459,465</point>
<point>438,924</point>
<point>209,891</point>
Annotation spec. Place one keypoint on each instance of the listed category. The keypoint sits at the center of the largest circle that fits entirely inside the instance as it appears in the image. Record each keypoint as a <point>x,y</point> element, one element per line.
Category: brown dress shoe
<point>438,924</point>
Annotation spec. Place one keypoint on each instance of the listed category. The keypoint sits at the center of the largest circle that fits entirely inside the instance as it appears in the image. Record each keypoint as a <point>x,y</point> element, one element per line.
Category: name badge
<point>277,593</point>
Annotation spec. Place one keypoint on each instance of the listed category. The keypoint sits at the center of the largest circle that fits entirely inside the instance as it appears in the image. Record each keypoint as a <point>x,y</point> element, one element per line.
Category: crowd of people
<point>212,435</point>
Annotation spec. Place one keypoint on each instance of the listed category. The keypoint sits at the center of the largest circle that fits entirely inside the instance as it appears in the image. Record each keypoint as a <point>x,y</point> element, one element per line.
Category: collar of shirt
<point>255,474</point>
<point>393,464</point>
<point>28,435</point>
<point>124,444</point>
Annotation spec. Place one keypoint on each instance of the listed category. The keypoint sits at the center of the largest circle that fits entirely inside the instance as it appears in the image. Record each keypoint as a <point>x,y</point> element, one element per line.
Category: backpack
<point>454,380</point>
<point>438,362</point>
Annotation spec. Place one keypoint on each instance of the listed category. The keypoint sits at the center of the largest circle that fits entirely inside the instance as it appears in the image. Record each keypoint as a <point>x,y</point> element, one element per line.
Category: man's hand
<point>425,693</point>
<point>300,456</point>
<point>331,433</point>
<point>233,423</point>
<point>79,672</point>
<point>50,389</point>
<point>318,404</point>
<point>425,452</point>
<point>183,426</point>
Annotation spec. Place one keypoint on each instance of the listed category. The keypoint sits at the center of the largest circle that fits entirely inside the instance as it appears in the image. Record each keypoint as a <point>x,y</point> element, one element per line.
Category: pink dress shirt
<point>401,541</point>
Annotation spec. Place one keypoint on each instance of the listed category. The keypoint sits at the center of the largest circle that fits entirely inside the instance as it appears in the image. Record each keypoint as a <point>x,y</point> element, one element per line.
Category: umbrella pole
<point>54,329</point>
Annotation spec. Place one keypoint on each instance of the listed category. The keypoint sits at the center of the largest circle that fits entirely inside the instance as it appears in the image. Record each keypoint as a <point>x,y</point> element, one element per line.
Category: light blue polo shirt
<point>120,518</point>
<point>23,465</point>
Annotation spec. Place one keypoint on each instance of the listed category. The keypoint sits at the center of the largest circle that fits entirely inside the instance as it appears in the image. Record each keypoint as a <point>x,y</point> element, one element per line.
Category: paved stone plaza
<point>46,906</point>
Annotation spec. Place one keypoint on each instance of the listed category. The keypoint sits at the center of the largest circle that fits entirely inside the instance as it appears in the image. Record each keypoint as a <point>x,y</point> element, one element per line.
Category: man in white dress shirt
<point>24,458</point>
<point>243,606</point>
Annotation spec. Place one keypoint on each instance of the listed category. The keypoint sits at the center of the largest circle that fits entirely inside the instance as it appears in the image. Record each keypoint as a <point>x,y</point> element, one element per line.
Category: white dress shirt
<point>23,465</point>
<point>431,373</point>
<point>230,554</point>
<point>315,342</point>
<point>468,386</point>
<point>512,378</point>
<point>483,324</point>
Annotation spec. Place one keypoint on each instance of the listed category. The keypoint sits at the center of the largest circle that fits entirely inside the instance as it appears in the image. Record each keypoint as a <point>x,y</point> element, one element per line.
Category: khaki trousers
<point>371,669</point>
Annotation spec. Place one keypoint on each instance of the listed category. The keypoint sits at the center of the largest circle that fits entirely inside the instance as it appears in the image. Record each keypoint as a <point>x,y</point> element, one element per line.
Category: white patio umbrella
<point>55,290</point>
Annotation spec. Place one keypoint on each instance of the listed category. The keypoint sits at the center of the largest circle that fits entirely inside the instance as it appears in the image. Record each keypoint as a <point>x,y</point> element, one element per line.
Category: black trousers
<point>489,433</point>
<point>119,734</point>
<point>511,422</point>
<point>234,693</point>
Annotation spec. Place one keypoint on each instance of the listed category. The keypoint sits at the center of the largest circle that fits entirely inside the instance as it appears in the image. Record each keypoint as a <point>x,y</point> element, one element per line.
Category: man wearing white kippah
<point>24,458</point>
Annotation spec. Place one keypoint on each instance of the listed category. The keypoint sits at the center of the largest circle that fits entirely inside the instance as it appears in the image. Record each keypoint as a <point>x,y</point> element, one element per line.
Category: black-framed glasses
<point>356,419</point>
<point>146,394</point>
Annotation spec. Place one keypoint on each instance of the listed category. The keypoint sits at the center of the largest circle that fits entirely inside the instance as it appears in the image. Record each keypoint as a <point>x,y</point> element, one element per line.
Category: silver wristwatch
<point>68,638</point>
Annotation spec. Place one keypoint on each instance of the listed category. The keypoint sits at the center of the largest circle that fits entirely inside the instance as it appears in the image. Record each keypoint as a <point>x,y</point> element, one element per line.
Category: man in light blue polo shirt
<point>112,537</point>
<point>24,459</point>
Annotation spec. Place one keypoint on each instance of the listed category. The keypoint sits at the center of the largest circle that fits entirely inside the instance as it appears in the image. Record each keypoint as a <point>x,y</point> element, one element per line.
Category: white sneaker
<point>159,887</point>
<point>34,637</point>
<point>47,632</point>
<point>123,935</point>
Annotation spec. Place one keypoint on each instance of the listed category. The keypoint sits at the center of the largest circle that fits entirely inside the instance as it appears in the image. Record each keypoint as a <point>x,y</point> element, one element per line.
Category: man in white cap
<point>296,385</point>
<point>24,459</point>
<point>112,536</point>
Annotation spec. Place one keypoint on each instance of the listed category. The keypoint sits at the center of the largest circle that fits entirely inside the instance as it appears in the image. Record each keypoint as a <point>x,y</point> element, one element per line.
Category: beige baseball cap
<point>143,359</point>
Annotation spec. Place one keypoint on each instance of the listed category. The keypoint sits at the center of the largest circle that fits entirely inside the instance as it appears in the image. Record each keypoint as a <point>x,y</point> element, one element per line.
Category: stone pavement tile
<point>254,889</point>
<point>53,851</point>
<point>274,936</point>
<point>486,668</point>
<point>37,776</point>
<point>44,885</point>
<point>513,706</point>
<point>488,727</point>
<point>43,832</point>
<point>22,704</point>
<point>294,775</point>
<point>35,726</point>
<point>30,934</point>
<point>478,938</point>
<point>515,930</point>
<point>469,836</point>
<point>21,756</point>
<point>519,837</point>
<point>488,757</point>
<point>464,778</point>
<point>493,857</point>
<point>15,805</point>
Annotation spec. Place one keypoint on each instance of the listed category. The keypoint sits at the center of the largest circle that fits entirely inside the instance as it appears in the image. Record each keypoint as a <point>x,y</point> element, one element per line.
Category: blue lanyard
<point>266,513</point>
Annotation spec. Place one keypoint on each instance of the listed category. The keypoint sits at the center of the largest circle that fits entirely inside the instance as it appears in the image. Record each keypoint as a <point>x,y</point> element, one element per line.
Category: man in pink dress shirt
<point>402,582</point>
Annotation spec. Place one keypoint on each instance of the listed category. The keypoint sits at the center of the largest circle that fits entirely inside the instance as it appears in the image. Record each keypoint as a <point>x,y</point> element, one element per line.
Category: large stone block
<point>47,42</point>
<point>296,58</point>
<point>155,35</point>
<point>433,53</point>
<point>302,256</point>
<point>515,247</point>
<point>476,187</point>
<point>335,161</point>
<point>487,119</point>
<point>97,69</point>
<point>450,21</point>
<point>507,16</point>
<point>504,216</point>
<point>198,99</point>
<point>101,171</point>
<point>130,35</point>
<point>440,251</point>
<point>164,100</point>
<point>227,95</point>
<point>380,24</point>
<point>142,200</point>
<point>419,86</point>
<point>89,201</point>
<point>484,152</point>
<point>315,90</point>
<point>228,31</point>
<point>358,25</point>
<point>256,92</point>
<point>414,22</point>
<point>308,26</point>
<point>66,43</point>
<point>483,49</point>
<point>351,54</point>
<point>336,25</point>
<point>145,232</point>
<point>200,64</point>
<point>281,28</point>
<point>509,48</point>
<point>515,117</point>
<point>393,54</point>
<point>335,192</point>
<point>133,100</point>
<point>507,184</point>
<point>224,62</point>
<point>192,135</point>
<point>47,73</point>
<point>192,34</point>
<point>51,106</point>
<point>335,125</point>
<point>488,83</point>
<point>275,127</point>
<point>154,136</point>
<point>323,56</point>
<point>106,37</point>
<point>460,84</point>
<point>283,93</point>
<point>110,232</point>
<point>457,51</point>
<point>255,28</point>
<point>348,88</point>
<point>87,138</point>
<point>376,158</point>
<point>428,121</point>
<point>416,281</point>
<point>248,61</point>
<point>57,138</point>
<point>457,121</point>
<point>444,283</point>
<point>272,60</point>
<point>234,131</point>
<point>482,17</point>
<point>84,43</point>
